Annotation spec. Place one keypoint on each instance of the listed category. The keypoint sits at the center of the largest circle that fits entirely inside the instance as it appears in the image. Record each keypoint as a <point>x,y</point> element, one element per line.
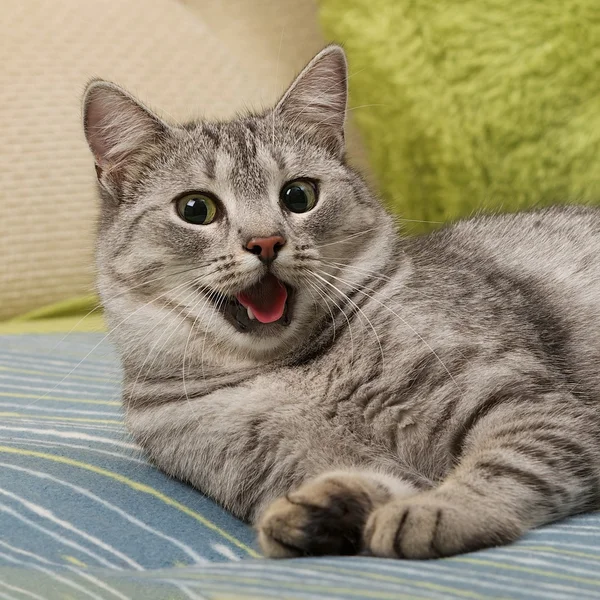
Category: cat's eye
<point>299,196</point>
<point>197,208</point>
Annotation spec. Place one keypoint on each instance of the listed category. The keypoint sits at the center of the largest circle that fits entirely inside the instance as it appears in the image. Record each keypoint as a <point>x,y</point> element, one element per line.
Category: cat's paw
<point>430,526</point>
<point>324,516</point>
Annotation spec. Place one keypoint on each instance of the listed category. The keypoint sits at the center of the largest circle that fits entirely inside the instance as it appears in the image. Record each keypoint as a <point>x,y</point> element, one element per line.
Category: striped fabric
<point>82,515</point>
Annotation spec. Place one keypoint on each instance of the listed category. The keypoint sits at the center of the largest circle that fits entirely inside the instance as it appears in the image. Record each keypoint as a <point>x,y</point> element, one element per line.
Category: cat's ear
<point>117,128</point>
<point>317,98</point>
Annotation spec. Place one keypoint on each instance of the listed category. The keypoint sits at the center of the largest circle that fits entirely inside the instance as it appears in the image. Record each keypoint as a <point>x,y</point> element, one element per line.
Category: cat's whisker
<point>406,324</point>
<point>105,337</point>
<point>196,281</point>
<point>160,337</point>
<point>122,293</point>
<point>313,286</point>
<point>344,295</point>
<point>350,237</point>
<point>351,268</point>
<point>324,290</point>
<point>185,390</point>
<point>204,341</point>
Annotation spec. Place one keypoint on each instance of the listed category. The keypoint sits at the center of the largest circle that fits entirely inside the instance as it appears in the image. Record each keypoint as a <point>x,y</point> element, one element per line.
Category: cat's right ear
<point>117,128</point>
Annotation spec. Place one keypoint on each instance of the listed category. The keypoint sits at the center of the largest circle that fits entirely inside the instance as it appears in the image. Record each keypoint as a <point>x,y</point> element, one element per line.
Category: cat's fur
<point>430,396</point>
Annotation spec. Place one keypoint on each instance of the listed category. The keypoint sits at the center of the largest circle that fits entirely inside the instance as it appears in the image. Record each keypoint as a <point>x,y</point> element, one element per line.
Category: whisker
<point>421,338</point>
<point>358,308</point>
<point>126,291</point>
<point>313,286</point>
<point>347,320</point>
<point>341,241</point>
<point>160,337</point>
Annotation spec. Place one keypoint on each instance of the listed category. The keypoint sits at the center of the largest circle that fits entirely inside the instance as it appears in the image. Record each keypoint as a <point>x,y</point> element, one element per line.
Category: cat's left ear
<point>118,128</point>
<point>317,98</point>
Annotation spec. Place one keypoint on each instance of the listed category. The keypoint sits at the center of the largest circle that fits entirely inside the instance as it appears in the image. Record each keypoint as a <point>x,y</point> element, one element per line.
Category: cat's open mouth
<point>268,302</point>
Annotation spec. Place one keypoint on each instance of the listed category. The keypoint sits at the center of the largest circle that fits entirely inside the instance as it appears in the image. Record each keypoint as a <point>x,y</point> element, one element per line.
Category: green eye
<point>299,196</point>
<point>198,209</point>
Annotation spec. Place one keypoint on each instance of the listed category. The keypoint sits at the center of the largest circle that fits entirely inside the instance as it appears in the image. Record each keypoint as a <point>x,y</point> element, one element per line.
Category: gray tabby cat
<point>342,388</point>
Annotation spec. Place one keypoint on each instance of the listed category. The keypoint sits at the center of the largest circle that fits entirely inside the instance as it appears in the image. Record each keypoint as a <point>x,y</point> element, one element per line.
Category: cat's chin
<point>237,315</point>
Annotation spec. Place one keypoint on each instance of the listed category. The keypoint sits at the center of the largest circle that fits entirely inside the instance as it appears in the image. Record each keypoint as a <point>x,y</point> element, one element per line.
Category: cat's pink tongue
<point>266,299</point>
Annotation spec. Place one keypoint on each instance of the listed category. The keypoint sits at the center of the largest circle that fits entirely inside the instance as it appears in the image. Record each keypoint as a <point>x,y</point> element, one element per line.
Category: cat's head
<point>231,232</point>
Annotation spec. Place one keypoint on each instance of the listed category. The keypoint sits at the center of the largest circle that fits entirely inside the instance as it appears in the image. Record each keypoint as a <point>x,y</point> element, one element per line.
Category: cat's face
<point>235,231</point>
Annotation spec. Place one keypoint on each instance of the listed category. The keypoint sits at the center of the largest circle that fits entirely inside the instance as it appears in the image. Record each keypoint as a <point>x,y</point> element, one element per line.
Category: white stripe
<point>47,514</point>
<point>55,576</point>
<point>98,582</point>
<point>50,444</point>
<point>52,410</point>
<point>7,596</point>
<point>185,589</point>
<point>193,555</point>
<point>58,538</point>
<point>462,576</point>
<point>79,393</point>
<point>79,572</point>
<point>101,385</point>
<point>51,362</point>
<point>226,552</point>
<point>593,532</point>
<point>26,553</point>
<point>14,588</point>
<point>19,377</point>
<point>557,544</point>
<point>73,435</point>
<point>33,421</point>
<point>282,575</point>
<point>536,559</point>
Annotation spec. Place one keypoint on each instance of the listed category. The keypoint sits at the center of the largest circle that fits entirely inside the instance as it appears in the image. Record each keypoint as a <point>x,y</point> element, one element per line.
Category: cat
<point>341,387</point>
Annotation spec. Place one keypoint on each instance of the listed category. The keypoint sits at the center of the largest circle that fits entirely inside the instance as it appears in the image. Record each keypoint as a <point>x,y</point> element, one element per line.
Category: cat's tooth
<point>250,313</point>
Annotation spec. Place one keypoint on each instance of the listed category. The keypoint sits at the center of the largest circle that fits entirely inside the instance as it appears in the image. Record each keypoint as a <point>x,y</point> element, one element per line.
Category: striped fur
<point>430,396</point>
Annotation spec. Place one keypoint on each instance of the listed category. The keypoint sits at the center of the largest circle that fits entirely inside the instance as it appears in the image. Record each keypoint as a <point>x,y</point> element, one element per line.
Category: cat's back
<point>559,241</point>
<point>541,268</point>
<point>557,248</point>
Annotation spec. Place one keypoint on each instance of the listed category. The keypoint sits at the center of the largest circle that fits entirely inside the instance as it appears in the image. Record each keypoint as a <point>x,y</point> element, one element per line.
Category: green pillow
<point>470,105</point>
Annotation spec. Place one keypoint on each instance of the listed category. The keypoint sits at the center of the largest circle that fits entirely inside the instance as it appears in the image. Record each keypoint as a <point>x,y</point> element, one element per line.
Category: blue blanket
<point>83,515</point>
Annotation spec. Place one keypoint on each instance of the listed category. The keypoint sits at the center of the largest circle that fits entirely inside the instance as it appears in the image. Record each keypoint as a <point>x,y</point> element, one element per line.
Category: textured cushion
<point>198,58</point>
<point>475,104</point>
<point>83,515</point>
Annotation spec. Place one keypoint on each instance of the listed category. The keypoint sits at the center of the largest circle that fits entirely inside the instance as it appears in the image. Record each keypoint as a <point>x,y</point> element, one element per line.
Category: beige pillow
<point>197,58</point>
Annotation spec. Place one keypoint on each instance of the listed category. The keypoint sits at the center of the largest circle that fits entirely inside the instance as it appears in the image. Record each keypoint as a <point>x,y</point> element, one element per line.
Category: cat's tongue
<point>266,299</point>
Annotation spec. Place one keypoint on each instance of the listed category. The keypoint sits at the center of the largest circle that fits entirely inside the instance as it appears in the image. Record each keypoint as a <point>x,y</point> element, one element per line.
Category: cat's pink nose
<point>266,248</point>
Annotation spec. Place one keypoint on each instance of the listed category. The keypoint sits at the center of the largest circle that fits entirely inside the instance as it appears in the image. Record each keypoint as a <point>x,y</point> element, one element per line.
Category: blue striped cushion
<point>82,515</point>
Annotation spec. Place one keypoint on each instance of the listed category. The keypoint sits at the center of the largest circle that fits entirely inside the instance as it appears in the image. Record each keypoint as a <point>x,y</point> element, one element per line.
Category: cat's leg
<point>514,472</point>
<point>511,477</point>
<point>327,515</point>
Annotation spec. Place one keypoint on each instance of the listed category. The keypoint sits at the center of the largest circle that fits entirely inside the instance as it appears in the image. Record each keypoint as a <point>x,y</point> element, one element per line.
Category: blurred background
<point>456,107</point>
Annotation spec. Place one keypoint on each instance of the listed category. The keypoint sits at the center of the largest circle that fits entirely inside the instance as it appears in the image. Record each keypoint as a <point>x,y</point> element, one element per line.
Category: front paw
<point>431,526</point>
<point>325,516</point>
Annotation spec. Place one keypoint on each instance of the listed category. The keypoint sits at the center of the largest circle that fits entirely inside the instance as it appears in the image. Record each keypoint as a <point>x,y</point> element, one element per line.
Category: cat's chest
<point>386,401</point>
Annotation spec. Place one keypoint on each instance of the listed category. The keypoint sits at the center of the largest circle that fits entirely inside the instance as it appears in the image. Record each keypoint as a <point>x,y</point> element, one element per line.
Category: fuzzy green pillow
<point>469,105</point>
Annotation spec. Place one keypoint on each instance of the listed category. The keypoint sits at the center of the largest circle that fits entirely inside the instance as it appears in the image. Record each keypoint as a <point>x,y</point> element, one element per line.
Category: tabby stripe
<point>500,398</point>
<point>581,464</point>
<point>210,166</point>
<point>524,477</point>
<point>212,134</point>
<point>445,416</point>
<point>398,534</point>
<point>433,543</point>
<point>131,228</point>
